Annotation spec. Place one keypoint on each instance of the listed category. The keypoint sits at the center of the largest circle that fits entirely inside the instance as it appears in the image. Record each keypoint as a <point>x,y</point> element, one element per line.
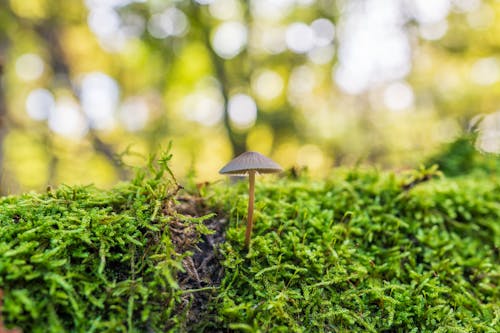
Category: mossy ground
<point>78,259</point>
<point>364,251</point>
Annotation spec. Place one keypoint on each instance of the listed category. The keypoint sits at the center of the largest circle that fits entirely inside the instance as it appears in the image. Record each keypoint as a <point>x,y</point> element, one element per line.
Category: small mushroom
<point>250,163</point>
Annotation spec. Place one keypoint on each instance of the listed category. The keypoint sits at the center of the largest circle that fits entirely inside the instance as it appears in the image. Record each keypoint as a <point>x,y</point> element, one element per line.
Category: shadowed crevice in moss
<point>203,271</point>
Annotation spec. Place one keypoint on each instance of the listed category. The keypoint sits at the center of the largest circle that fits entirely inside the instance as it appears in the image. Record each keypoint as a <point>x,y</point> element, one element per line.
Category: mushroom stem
<point>251,190</point>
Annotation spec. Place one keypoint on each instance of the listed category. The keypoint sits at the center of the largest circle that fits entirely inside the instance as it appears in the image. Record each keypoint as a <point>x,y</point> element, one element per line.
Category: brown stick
<point>251,190</point>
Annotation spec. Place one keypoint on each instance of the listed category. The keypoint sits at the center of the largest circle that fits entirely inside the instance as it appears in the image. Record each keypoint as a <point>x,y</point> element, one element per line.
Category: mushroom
<point>250,163</point>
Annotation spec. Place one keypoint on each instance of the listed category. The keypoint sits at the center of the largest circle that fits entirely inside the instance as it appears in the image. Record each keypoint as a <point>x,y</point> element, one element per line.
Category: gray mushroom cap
<point>250,161</point>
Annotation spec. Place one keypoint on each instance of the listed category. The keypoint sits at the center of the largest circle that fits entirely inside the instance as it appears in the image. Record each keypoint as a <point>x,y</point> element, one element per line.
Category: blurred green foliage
<point>461,157</point>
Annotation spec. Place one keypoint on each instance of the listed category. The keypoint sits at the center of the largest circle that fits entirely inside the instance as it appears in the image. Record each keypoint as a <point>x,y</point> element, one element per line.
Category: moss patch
<point>364,251</point>
<point>85,260</point>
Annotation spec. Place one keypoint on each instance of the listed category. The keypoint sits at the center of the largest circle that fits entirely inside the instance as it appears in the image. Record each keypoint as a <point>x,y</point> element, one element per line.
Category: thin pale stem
<point>251,191</point>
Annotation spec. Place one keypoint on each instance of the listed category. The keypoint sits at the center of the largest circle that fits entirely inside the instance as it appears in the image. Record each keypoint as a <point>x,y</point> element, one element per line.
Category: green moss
<point>363,251</point>
<point>80,259</point>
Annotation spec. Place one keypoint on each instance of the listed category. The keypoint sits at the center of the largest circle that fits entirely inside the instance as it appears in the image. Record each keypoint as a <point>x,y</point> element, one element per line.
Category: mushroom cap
<point>250,161</point>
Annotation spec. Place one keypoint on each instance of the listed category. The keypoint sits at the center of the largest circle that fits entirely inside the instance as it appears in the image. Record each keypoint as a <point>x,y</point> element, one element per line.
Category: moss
<point>81,259</point>
<point>363,251</point>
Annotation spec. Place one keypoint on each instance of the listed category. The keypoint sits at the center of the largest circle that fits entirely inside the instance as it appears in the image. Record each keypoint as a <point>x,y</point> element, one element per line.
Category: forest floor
<point>360,250</point>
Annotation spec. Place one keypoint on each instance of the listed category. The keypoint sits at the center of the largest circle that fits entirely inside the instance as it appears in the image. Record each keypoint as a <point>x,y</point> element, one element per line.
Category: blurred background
<point>90,85</point>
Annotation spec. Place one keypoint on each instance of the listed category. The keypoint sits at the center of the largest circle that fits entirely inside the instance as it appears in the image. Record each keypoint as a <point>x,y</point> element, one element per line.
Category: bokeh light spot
<point>426,11</point>
<point>373,47</point>
<point>67,120</point>
<point>134,113</point>
<point>206,107</point>
<point>321,55</point>
<point>301,82</point>
<point>133,25</point>
<point>299,37</point>
<point>103,21</point>
<point>267,84</point>
<point>205,2</point>
<point>482,18</point>
<point>171,22</point>
<point>29,67</point>
<point>242,111</point>
<point>39,104</point>
<point>399,96</point>
<point>229,39</point>
<point>226,9</point>
<point>433,31</point>
<point>488,139</point>
<point>271,38</point>
<point>485,71</point>
<point>466,5</point>
<point>271,10</point>
<point>324,31</point>
<point>99,98</point>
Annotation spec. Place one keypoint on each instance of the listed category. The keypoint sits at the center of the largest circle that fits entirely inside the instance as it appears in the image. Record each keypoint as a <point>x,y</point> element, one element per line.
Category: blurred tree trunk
<point>48,30</point>
<point>238,142</point>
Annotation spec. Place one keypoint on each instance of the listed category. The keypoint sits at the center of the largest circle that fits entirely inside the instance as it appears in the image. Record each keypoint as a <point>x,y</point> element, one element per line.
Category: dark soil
<point>203,271</point>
